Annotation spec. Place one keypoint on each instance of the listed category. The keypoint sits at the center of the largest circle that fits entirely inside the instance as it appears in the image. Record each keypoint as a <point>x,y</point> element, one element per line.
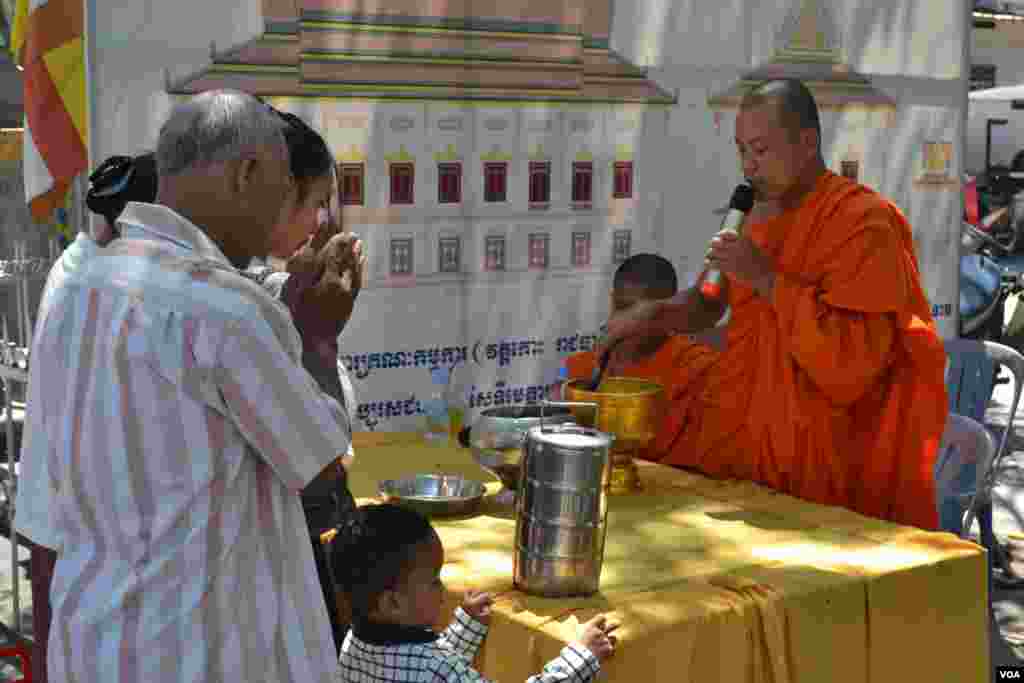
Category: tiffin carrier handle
<point>567,404</point>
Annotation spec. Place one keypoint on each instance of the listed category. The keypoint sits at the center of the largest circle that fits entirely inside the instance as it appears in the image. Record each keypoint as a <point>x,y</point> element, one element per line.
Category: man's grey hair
<point>214,127</point>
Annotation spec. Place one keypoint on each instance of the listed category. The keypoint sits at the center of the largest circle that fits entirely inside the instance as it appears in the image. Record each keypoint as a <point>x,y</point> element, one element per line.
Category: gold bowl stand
<point>631,410</point>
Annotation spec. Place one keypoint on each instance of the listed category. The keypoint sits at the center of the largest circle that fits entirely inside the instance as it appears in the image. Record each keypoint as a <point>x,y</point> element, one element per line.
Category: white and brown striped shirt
<point>176,427</point>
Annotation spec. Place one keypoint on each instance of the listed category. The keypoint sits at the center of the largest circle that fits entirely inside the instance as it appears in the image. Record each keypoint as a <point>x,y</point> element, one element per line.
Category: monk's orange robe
<point>833,388</point>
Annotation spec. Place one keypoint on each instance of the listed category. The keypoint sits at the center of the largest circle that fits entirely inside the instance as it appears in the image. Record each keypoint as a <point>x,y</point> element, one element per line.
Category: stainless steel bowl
<point>496,437</point>
<point>434,495</point>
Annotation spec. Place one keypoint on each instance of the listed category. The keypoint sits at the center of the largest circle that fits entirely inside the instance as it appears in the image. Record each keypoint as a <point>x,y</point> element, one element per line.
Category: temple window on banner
<point>539,242</point>
<point>495,181</point>
<point>352,184</point>
<point>540,184</point>
<point>402,179</point>
<point>449,250</point>
<point>623,185</point>
<point>449,183</point>
<point>582,184</point>
<point>495,252</point>
<point>621,245</point>
<point>580,249</point>
<point>401,256</point>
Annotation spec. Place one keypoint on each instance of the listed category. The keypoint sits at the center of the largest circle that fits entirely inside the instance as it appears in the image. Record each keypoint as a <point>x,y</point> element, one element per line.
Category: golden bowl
<point>629,408</point>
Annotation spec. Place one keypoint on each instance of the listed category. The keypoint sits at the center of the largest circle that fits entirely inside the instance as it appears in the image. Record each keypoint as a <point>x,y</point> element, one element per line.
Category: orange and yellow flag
<point>47,40</point>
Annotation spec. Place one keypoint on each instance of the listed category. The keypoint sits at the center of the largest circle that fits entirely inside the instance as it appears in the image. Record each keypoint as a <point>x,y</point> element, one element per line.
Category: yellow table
<point>721,581</point>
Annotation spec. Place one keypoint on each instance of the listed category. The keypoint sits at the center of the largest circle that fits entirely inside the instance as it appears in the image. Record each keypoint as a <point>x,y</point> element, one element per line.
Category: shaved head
<point>797,109</point>
<point>651,272</point>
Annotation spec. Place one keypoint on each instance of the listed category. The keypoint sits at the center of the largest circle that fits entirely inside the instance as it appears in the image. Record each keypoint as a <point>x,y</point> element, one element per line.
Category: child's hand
<point>596,636</point>
<point>478,605</point>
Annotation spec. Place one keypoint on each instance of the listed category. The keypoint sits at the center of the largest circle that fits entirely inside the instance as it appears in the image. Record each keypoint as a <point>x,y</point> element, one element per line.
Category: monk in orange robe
<point>643,277</point>
<point>831,383</point>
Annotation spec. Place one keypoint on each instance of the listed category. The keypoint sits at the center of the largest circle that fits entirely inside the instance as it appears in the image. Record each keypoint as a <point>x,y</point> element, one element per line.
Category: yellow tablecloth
<point>721,581</point>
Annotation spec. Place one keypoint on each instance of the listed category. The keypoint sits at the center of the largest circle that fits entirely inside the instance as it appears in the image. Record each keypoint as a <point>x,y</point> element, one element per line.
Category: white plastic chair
<point>970,377</point>
<point>965,456</point>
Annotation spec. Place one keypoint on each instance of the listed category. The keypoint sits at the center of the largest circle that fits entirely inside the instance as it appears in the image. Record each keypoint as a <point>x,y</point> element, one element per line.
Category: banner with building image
<point>499,182</point>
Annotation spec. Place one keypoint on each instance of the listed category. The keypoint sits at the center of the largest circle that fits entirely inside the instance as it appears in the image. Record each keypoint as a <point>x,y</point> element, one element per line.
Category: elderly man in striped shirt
<point>178,428</point>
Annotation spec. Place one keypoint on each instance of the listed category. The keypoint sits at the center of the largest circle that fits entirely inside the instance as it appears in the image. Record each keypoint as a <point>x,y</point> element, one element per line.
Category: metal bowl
<point>496,437</point>
<point>434,495</point>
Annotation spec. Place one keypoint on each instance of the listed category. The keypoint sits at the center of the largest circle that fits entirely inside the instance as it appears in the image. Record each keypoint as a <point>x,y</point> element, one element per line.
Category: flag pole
<point>89,43</point>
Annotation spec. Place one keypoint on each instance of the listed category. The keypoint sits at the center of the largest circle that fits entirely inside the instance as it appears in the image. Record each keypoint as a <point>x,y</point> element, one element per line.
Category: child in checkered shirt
<point>387,561</point>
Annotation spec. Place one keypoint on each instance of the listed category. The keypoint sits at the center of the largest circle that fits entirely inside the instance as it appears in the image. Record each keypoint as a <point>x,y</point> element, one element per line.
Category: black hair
<point>797,104</point>
<point>650,271</point>
<point>308,156</point>
<point>374,549</point>
<point>119,180</point>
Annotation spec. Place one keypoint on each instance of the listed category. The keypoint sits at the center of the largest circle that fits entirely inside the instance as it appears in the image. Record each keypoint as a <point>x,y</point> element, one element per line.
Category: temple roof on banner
<point>808,48</point>
<point>470,50</point>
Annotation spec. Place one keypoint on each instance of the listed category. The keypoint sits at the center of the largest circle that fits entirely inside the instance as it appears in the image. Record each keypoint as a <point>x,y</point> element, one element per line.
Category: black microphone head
<point>742,198</point>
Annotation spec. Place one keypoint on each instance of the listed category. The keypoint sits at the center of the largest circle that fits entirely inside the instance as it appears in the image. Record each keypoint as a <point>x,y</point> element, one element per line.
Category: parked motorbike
<point>989,277</point>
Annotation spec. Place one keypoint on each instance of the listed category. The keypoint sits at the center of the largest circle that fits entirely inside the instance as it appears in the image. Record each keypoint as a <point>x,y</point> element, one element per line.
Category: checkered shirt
<point>448,659</point>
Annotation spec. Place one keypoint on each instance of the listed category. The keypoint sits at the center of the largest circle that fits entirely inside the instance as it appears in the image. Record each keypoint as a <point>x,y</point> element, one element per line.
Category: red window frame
<point>352,178</point>
<point>582,182</point>
<point>623,185</point>
<point>540,182</point>
<point>449,182</point>
<point>402,178</point>
<point>495,181</point>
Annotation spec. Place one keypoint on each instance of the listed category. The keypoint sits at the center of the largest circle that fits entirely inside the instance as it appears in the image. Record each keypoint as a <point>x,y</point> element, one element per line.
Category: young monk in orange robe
<point>643,277</point>
<point>831,384</point>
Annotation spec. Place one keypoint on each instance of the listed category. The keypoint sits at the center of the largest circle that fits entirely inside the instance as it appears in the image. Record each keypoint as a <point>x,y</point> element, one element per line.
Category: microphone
<point>739,206</point>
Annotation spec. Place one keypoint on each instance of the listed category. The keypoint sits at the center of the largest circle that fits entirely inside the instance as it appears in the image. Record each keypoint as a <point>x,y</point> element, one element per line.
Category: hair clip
<point>114,166</point>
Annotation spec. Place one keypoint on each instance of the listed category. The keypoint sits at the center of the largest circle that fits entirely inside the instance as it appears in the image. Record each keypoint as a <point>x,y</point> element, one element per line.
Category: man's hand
<point>738,256</point>
<point>329,479</point>
<point>325,283</point>
<point>306,265</point>
<point>478,605</point>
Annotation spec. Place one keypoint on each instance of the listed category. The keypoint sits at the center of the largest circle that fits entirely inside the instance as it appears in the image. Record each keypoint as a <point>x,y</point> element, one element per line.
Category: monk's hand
<point>618,364</point>
<point>628,351</point>
<point>740,257</point>
<point>633,324</point>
